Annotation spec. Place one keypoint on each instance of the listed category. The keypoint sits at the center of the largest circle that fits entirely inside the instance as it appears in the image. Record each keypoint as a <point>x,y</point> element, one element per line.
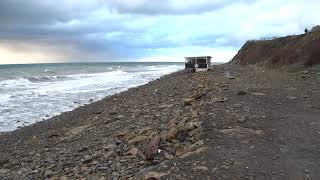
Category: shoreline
<point>51,94</point>
<point>55,117</point>
<point>209,124</point>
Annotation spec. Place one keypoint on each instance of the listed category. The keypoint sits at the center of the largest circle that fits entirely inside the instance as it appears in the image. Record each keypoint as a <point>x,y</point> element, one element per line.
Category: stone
<point>200,168</point>
<point>194,131</point>
<point>181,125</point>
<point>78,130</point>
<point>48,173</point>
<point>241,120</point>
<point>63,178</point>
<point>35,140</point>
<point>241,131</point>
<point>168,156</point>
<point>112,112</point>
<point>196,144</point>
<point>152,148</point>
<point>133,151</point>
<point>182,135</point>
<point>259,94</point>
<point>172,134</point>
<point>3,161</point>
<point>292,98</point>
<point>173,123</point>
<point>222,99</point>
<point>194,114</point>
<point>53,134</point>
<point>163,135</point>
<point>191,125</point>
<point>180,150</point>
<point>137,139</point>
<point>196,95</point>
<point>240,93</point>
<point>190,153</point>
<point>188,101</point>
<point>154,175</point>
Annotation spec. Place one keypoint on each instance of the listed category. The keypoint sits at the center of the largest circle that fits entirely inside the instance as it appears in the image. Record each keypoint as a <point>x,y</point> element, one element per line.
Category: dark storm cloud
<point>114,29</point>
<point>151,7</point>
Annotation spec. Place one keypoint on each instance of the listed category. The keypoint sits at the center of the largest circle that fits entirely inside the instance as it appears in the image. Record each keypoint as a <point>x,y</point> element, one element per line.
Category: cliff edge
<point>284,51</point>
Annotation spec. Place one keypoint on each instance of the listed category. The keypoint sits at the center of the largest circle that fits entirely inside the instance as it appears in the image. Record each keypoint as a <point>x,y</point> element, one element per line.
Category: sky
<point>47,31</point>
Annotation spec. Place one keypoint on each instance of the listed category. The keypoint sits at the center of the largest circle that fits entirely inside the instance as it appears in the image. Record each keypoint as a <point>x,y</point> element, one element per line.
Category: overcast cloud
<point>143,30</point>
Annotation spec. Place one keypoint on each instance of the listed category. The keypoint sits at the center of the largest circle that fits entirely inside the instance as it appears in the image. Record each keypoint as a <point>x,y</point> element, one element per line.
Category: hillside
<point>291,50</point>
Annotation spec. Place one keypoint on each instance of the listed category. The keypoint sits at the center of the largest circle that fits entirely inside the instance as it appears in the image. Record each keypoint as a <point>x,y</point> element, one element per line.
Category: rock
<point>173,123</point>
<point>190,153</point>
<point>89,158</point>
<point>3,162</point>
<point>194,114</point>
<point>200,168</point>
<point>53,134</point>
<point>182,135</point>
<point>194,131</point>
<point>241,131</point>
<point>35,140</point>
<point>172,134</point>
<point>304,72</point>
<point>188,101</point>
<point>241,120</point>
<point>259,94</point>
<point>163,135</point>
<point>77,130</point>
<point>196,95</point>
<point>154,175</point>
<point>48,173</point>
<point>240,93</point>
<point>137,139</point>
<point>168,156</point>
<point>63,178</point>
<point>110,146</point>
<point>152,148</point>
<point>181,125</point>
<point>99,111</point>
<point>133,151</point>
<point>180,150</point>
<point>222,99</point>
<point>191,125</point>
<point>196,144</point>
<point>112,113</point>
<point>291,97</point>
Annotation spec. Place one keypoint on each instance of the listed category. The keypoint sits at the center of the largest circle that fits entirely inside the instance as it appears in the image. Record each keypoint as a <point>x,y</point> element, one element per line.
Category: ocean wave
<point>4,98</point>
<point>48,71</point>
<point>14,82</point>
<point>40,79</point>
<point>45,78</point>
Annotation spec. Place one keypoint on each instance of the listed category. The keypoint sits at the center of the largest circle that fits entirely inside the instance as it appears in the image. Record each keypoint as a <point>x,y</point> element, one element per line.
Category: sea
<point>31,93</point>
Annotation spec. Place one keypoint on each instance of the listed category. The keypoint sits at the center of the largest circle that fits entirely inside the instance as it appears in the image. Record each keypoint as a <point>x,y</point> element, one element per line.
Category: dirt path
<point>232,122</point>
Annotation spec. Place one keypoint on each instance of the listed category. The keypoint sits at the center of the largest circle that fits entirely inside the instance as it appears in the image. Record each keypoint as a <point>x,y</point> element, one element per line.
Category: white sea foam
<point>26,100</point>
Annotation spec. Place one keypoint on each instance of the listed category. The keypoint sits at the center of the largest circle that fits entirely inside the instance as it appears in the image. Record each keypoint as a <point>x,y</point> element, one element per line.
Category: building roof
<point>198,57</point>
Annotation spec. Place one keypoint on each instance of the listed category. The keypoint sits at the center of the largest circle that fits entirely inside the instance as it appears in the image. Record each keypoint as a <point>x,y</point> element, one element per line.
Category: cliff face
<point>291,50</point>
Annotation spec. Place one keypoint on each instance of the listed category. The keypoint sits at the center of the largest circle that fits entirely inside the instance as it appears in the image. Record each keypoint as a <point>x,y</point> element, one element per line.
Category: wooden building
<point>201,63</point>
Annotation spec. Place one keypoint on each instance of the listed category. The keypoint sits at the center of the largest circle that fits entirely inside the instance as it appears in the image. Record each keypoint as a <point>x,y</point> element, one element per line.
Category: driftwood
<point>152,148</point>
